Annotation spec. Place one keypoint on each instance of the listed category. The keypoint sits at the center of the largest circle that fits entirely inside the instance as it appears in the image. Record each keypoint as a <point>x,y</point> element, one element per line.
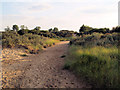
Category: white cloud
<point>40,7</point>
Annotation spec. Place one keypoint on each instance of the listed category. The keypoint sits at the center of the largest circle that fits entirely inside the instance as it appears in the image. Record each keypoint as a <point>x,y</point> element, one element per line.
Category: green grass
<point>51,41</point>
<point>98,64</point>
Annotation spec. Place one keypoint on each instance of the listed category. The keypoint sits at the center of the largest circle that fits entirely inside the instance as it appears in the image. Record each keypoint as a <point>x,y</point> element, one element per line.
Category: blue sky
<point>64,14</point>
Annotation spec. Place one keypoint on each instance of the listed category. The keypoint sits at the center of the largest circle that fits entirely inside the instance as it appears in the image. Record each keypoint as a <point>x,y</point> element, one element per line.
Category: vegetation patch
<point>23,55</point>
<point>96,57</point>
<point>99,64</point>
<point>33,40</point>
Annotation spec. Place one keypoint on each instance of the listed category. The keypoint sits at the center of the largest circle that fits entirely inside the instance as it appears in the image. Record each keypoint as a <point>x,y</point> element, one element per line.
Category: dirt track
<point>45,70</point>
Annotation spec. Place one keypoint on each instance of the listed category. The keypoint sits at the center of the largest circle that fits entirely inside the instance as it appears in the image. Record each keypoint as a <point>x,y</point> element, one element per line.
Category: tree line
<point>56,33</point>
<point>84,29</point>
<point>51,33</point>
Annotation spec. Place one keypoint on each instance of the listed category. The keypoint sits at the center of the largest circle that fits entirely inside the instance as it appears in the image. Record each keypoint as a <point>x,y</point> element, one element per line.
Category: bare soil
<point>43,70</point>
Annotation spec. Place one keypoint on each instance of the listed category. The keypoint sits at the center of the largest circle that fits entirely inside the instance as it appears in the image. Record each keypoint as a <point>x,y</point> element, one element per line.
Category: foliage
<point>15,28</point>
<point>95,57</point>
<point>50,30</point>
<point>97,64</point>
<point>7,28</point>
<point>116,29</point>
<point>89,30</point>
<point>85,28</point>
<point>64,33</point>
<point>50,42</point>
<point>23,31</point>
<point>55,29</point>
<point>37,28</point>
<point>23,27</point>
<point>97,39</point>
<point>32,42</point>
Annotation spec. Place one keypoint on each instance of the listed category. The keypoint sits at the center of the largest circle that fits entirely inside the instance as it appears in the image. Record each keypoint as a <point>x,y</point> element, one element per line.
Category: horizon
<point>65,15</point>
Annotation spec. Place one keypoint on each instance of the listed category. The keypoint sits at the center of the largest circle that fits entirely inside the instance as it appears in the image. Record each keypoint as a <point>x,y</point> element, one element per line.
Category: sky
<point>64,14</point>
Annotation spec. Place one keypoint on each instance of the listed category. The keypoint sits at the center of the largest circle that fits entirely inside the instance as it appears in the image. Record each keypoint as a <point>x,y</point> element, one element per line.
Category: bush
<point>23,31</point>
<point>32,42</point>
<point>97,39</point>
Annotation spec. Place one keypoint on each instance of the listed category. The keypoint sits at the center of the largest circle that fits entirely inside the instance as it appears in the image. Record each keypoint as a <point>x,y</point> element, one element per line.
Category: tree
<point>116,29</point>
<point>55,29</point>
<point>82,28</point>
<point>7,28</point>
<point>37,28</point>
<point>85,29</point>
<point>22,27</point>
<point>26,27</point>
<point>50,30</point>
<point>23,31</point>
<point>15,28</point>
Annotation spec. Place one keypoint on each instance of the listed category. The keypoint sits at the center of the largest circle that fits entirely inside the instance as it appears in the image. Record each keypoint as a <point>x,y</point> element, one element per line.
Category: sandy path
<point>45,70</point>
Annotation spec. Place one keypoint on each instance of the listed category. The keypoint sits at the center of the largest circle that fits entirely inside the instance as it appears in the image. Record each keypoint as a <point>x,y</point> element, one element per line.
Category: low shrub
<point>97,39</point>
<point>32,42</point>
